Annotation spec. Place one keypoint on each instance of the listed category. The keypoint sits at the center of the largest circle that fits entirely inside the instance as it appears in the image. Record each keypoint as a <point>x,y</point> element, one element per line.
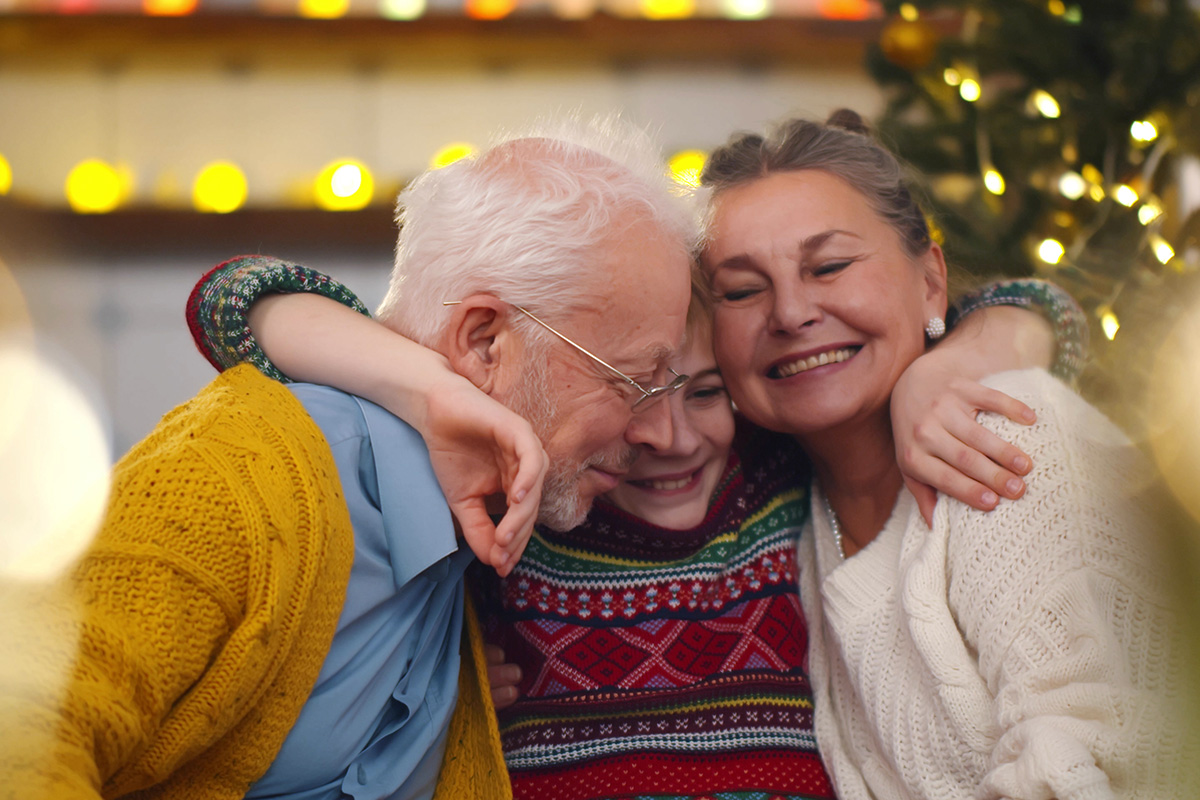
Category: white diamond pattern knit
<point>1022,653</point>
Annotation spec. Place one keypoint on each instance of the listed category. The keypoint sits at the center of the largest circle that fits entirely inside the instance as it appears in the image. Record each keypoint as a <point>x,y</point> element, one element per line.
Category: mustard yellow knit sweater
<point>196,624</point>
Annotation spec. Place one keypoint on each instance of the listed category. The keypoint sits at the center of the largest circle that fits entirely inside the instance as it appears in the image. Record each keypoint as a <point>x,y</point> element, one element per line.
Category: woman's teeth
<point>812,362</point>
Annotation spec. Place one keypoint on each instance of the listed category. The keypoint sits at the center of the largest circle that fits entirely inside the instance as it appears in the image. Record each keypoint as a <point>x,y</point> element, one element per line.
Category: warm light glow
<point>323,9</point>
<point>1125,194</point>
<point>1162,251</point>
<point>1056,7</point>
<point>1096,192</point>
<point>344,185</point>
<point>401,9</point>
<point>686,167</point>
<point>844,9</point>
<point>909,12</point>
<point>668,9</point>
<point>169,8</point>
<point>5,176</point>
<point>1110,325</point>
<point>451,153</point>
<point>1143,131</point>
<point>1072,185</point>
<point>1149,212</point>
<point>1073,15</point>
<point>994,181</point>
<point>1174,426</point>
<point>219,188</point>
<point>490,9</point>
<point>747,9</point>
<point>1051,251</point>
<point>93,187</point>
<point>951,76</point>
<point>969,90</point>
<point>1046,105</point>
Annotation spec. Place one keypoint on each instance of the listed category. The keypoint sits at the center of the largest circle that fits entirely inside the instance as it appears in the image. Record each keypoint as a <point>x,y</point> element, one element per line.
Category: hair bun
<point>848,120</point>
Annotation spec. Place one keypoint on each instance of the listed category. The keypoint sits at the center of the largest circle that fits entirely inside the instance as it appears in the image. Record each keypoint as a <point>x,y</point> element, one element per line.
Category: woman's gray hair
<point>527,220</point>
<point>842,147</point>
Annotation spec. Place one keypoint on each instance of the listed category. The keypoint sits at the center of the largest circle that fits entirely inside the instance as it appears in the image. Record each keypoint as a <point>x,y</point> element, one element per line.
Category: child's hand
<point>485,457</point>
<point>503,678</point>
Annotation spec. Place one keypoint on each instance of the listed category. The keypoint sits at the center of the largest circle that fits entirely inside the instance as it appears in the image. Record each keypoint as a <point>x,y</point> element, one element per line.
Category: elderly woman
<point>1024,652</point>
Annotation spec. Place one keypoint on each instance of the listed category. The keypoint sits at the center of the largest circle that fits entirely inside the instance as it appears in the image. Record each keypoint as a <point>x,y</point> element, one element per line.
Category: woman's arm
<point>479,448</point>
<point>939,444</point>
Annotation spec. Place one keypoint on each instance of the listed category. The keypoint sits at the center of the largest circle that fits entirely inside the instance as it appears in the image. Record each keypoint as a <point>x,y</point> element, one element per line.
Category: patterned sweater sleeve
<point>218,306</point>
<point>1068,320</point>
<point>1058,595</point>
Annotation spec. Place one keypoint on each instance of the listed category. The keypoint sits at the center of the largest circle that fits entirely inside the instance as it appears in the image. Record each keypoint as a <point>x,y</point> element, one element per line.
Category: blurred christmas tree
<point>1060,140</point>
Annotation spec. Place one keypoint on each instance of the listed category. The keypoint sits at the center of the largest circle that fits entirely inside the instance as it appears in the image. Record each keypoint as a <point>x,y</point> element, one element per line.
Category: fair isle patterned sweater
<point>661,663</point>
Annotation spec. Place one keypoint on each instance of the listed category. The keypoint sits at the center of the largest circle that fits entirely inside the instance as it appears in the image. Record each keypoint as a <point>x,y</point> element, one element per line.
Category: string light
<point>1162,251</point>
<point>969,90</point>
<point>844,9</point>
<point>1109,324</point>
<point>323,9</point>
<point>219,188</point>
<point>93,187</point>
<point>489,9</point>
<point>401,10</point>
<point>344,185</point>
<point>1143,131</point>
<point>747,9</point>
<point>1056,7</point>
<point>169,8</point>
<point>1045,103</point>
<point>451,153</point>
<point>1125,194</point>
<point>1051,251</point>
<point>686,167</point>
<point>1149,212</point>
<point>5,176</point>
<point>1072,185</point>
<point>909,12</point>
<point>668,9</point>
<point>994,181</point>
<point>951,76</point>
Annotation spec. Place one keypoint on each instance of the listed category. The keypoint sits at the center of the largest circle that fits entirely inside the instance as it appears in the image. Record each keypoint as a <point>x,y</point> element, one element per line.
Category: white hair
<point>527,220</point>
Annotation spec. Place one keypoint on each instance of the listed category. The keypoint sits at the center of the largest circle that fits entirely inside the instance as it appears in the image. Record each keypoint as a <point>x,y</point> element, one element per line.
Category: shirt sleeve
<point>1067,318</point>
<point>220,301</point>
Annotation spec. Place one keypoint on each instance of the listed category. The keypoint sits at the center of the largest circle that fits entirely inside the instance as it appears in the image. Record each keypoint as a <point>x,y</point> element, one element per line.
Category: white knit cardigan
<point>1023,653</point>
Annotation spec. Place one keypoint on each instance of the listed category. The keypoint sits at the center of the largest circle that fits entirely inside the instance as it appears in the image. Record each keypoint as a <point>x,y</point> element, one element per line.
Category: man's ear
<point>933,268</point>
<point>478,338</point>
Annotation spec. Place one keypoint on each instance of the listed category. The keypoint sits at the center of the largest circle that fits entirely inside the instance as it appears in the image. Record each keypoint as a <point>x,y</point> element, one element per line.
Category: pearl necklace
<point>835,526</point>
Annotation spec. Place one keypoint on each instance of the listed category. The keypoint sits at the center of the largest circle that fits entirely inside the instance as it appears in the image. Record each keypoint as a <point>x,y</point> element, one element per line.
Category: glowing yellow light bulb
<point>1096,192</point>
<point>909,12</point>
<point>401,9</point>
<point>951,76</point>
<point>5,176</point>
<point>1125,194</point>
<point>490,9</point>
<point>1046,105</point>
<point>1162,251</point>
<point>1149,212</point>
<point>451,153</point>
<point>686,167</point>
<point>844,9</point>
<point>169,8</point>
<point>668,9</point>
<point>1143,131</point>
<point>323,9</point>
<point>93,187</point>
<point>747,9</point>
<point>994,181</point>
<point>969,90</point>
<point>1051,251</point>
<point>1072,185</point>
<point>344,185</point>
<point>1110,324</point>
<point>219,188</point>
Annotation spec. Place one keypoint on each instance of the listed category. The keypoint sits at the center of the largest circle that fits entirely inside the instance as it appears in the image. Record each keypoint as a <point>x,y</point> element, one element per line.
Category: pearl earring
<point>935,328</point>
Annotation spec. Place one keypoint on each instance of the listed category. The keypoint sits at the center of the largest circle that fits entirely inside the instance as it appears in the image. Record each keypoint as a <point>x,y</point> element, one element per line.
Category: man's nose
<point>651,426</point>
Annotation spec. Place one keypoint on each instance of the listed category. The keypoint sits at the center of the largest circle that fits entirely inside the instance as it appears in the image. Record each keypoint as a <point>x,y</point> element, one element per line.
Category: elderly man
<point>274,605</point>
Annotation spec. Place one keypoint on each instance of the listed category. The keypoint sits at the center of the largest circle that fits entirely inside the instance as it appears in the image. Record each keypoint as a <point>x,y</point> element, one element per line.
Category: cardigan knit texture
<point>1025,652</point>
<point>664,663</point>
<point>202,612</point>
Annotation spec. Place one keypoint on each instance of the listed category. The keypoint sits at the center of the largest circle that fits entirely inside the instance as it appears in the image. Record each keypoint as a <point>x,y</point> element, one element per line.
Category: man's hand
<point>503,678</point>
<point>485,456</point>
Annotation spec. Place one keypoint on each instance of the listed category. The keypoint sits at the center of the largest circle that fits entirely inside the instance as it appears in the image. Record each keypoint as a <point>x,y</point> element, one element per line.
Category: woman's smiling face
<point>819,308</point>
<point>672,487</point>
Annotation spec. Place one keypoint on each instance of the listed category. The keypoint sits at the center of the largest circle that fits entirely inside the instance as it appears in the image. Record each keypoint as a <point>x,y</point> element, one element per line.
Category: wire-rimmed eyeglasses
<point>648,394</point>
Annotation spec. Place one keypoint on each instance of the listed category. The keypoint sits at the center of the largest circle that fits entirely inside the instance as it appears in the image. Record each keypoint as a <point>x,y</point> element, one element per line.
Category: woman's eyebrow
<point>815,242</point>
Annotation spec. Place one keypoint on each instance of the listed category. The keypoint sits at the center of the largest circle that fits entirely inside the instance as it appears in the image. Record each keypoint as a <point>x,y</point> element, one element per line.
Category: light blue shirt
<point>375,724</point>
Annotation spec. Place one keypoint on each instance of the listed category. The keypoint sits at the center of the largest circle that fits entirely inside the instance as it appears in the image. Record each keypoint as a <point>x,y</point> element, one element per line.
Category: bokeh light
<point>909,12</point>
<point>451,153</point>
<point>323,9</point>
<point>1149,212</point>
<point>746,9</point>
<point>969,90</point>
<point>1045,103</point>
<point>1072,185</point>
<point>93,187</point>
<point>994,181</point>
<point>1125,194</point>
<point>402,9</point>
<point>1143,131</point>
<point>844,9</point>
<point>5,175</point>
<point>686,166</point>
<point>489,9</point>
<point>1174,425</point>
<point>952,77</point>
<point>344,185</point>
<point>1110,325</point>
<point>169,8</point>
<point>1051,251</point>
<point>668,9</point>
<point>219,188</point>
<point>1162,251</point>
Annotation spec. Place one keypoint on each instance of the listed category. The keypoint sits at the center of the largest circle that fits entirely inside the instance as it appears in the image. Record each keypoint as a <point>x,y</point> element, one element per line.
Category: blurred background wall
<point>156,100</point>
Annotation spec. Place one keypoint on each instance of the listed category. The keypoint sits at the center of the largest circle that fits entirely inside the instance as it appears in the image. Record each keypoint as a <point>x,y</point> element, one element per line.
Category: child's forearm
<point>995,339</point>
